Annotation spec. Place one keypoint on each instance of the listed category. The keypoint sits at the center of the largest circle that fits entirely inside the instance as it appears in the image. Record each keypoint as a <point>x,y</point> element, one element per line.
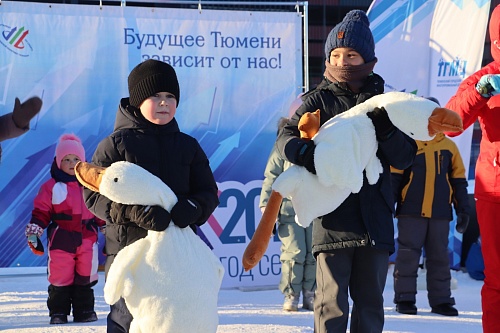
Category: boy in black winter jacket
<point>146,133</point>
<point>352,244</point>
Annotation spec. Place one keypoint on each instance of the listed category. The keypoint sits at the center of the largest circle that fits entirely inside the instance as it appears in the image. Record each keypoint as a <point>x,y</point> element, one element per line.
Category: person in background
<point>17,122</point>
<point>426,192</point>
<point>72,232</point>
<point>351,244</point>
<point>146,133</point>
<point>477,98</point>
<point>298,267</point>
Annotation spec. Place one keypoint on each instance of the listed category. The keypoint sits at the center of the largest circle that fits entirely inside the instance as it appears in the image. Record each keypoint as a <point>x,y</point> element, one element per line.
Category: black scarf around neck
<point>59,175</point>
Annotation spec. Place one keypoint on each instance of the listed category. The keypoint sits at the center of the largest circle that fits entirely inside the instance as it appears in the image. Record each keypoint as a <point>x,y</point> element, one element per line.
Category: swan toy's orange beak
<point>89,175</point>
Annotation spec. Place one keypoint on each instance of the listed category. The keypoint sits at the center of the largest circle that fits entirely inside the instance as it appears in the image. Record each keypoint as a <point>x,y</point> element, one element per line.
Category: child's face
<point>345,56</point>
<point>68,164</point>
<point>159,108</point>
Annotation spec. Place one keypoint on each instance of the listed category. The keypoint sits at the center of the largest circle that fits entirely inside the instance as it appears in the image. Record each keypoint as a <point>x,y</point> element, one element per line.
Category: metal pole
<point>306,46</point>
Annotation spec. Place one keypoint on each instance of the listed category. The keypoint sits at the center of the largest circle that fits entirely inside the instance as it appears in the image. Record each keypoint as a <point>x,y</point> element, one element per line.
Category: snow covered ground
<point>23,309</point>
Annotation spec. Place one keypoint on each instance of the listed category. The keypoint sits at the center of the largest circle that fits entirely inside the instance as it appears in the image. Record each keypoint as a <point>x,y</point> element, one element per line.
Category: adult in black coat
<point>352,244</point>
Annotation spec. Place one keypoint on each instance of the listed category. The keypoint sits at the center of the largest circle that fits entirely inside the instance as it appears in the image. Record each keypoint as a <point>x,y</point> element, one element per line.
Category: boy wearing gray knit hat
<point>351,244</point>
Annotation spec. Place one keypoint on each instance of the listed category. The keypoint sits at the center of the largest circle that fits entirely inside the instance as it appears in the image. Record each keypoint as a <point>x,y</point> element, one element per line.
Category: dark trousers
<point>119,318</point>
<point>359,272</point>
<point>431,234</point>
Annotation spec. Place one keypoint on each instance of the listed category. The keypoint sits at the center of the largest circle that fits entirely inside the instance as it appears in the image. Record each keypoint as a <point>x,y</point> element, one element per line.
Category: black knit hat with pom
<point>151,77</point>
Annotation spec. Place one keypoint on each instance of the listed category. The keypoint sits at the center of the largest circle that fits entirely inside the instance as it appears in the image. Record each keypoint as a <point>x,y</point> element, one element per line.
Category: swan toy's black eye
<point>410,134</point>
<point>115,180</point>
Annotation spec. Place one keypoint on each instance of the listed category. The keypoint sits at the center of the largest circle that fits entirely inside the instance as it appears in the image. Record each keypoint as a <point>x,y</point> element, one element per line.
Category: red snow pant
<point>489,228</point>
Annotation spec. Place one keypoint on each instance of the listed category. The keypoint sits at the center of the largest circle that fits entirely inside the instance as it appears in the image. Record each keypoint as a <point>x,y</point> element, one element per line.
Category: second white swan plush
<point>169,280</point>
<point>346,149</point>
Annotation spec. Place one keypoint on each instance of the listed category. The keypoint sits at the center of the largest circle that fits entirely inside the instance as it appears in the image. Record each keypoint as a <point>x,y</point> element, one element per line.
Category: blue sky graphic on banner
<point>428,48</point>
<point>238,73</point>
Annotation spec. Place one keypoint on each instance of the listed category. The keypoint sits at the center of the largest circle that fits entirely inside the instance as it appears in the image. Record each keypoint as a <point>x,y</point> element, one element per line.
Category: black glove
<point>148,217</point>
<point>462,222</point>
<point>384,128</point>
<point>305,156</point>
<point>185,212</point>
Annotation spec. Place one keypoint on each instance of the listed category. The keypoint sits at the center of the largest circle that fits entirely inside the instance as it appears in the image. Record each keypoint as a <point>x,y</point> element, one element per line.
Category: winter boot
<point>83,303</point>
<point>445,309</point>
<point>308,300</point>
<point>291,302</point>
<point>85,317</point>
<point>406,307</point>
<point>58,319</point>
<point>59,304</point>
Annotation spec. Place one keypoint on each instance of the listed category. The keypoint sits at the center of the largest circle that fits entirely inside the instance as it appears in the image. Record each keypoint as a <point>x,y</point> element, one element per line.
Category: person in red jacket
<point>478,98</point>
<point>72,236</point>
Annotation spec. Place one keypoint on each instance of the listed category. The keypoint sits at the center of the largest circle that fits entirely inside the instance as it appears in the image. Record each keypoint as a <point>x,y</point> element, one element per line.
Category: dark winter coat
<point>175,157</point>
<point>434,182</point>
<point>364,218</point>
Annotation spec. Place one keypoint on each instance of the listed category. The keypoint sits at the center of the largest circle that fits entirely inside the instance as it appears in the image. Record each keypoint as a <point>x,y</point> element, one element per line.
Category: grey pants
<point>359,272</point>
<point>298,267</point>
<point>431,234</point>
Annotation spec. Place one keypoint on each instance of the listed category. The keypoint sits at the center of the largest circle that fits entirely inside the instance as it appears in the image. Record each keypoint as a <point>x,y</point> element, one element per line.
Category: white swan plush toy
<point>346,147</point>
<point>169,280</point>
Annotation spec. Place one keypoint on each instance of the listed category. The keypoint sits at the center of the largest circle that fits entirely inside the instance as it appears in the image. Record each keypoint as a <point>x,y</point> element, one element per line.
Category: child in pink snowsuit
<point>72,237</point>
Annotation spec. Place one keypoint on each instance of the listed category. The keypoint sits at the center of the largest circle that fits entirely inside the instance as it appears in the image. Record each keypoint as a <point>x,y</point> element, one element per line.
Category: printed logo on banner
<point>451,73</point>
<point>14,39</point>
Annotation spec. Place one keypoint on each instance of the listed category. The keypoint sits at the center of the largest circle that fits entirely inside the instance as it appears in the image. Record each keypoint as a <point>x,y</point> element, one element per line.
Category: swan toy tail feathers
<point>260,240</point>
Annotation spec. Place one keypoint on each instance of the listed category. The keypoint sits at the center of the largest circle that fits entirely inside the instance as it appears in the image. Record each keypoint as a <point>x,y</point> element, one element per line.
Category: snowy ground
<point>23,309</point>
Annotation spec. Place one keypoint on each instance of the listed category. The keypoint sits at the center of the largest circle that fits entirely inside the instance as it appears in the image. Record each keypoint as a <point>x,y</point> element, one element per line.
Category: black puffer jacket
<point>173,156</point>
<point>364,218</point>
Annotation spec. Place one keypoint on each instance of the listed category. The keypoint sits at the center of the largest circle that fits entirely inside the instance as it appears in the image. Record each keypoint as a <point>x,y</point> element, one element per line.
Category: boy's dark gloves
<point>23,113</point>
<point>462,222</point>
<point>186,212</point>
<point>148,217</point>
<point>305,156</point>
<point>35,245</point>
<point>384,128</point>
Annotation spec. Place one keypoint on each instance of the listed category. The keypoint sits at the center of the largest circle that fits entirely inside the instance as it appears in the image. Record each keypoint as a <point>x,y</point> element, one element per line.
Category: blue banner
<point>238,73</point>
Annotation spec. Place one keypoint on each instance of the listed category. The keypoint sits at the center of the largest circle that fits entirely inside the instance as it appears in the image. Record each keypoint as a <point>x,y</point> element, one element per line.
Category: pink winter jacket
<point>471,106</point>
<point>63,204</point>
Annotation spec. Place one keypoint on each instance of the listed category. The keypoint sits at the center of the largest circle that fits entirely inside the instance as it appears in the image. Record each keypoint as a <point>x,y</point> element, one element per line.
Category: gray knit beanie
<point>354,32</point>
<point>151,77</point>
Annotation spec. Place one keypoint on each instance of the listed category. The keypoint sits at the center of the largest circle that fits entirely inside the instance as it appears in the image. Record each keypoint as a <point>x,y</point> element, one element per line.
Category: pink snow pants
<point>78,268</point>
